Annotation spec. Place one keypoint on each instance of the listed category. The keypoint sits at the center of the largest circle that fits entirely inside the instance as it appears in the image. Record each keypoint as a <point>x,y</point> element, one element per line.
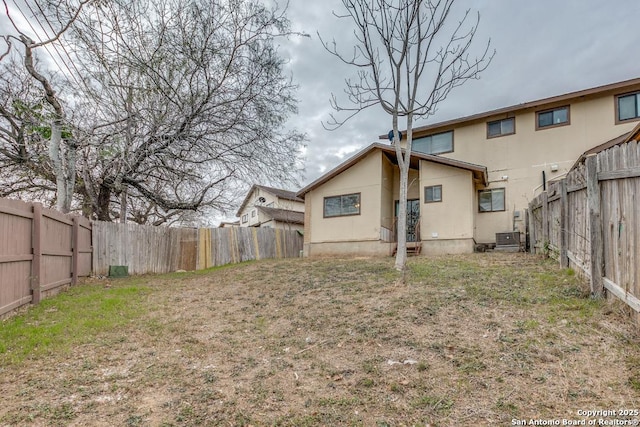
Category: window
<point>501,127</point>
<point>347,204</point>
<point>433,194</point>
<point>552,118</point>
<point>245,218</point>
<point>627,107</point>
<point>491,200</point>
<point>253,214</point>
<point>434,144</point>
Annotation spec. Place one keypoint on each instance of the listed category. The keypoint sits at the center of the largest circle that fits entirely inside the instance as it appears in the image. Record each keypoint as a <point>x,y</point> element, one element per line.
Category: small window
<point>552,118</point>
<point>501,127</point>
<point>434,144</point>
<point>433,194</point>
<point>491,200</point>
<point>253,214</point>
<point>346,204</point>
<point>245,218</point>
<point>627,107</point>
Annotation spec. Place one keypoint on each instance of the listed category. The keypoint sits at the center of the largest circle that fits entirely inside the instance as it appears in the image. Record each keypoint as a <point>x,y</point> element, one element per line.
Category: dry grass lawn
<point>470,340</point>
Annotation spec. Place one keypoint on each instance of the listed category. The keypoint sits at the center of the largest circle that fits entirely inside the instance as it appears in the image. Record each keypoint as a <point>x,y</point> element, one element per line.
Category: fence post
<point>532,228</point>
<point>595,226</point>
<point>545,223</point>
<point>564,222</point>
<point>36,245</point>
<point>527,232</point>
<point>75,250</point>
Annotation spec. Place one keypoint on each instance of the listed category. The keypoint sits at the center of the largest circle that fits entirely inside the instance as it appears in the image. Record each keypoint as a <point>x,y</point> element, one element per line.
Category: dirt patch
<point>480,339</point>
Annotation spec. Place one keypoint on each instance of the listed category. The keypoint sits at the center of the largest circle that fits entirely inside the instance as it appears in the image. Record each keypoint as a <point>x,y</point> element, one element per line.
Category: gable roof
<point>278,192</point>
<point>283,215</point>
<point>540,104</point>
<point>479,172</point>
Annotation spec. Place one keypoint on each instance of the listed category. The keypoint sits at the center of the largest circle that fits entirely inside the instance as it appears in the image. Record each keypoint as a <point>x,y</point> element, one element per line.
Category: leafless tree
<point>410,54</point>
<point>190,97</point>
<point>61,148</point>
<point>172,107</point>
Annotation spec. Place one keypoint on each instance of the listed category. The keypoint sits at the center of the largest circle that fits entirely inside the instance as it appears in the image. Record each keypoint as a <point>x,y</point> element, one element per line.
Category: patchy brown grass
<point>469,340</point>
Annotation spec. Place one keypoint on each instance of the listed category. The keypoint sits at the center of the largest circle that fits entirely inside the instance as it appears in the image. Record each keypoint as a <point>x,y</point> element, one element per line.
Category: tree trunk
<point>56,163</point>
<point>104,200</point>
<point>401,255</point>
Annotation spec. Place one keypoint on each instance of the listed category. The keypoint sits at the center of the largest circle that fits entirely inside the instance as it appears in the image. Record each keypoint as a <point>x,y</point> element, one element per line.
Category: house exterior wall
<point>447,226</point>
<point>377,180</point>
<point>516,162</point>
<point>387,202</point>
<point>366,178</point>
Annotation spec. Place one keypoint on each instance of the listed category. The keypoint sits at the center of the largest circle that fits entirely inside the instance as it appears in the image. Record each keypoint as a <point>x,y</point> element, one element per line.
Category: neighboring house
<point>470,178</point>
<point>271,207</point>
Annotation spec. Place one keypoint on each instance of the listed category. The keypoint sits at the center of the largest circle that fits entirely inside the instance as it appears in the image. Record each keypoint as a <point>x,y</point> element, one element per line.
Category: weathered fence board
<point>602,223</point>
<point>146,249</point>
<point>219,246</point>
<point>143,248</point>
<point>39,252</point>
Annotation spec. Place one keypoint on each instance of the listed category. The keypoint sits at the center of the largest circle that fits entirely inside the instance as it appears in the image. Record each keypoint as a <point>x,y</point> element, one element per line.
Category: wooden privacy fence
<point>219,246</point>
<point>143,248</point>
<point>591,221</point>
<point>147,249</point>
<point>40,251</point>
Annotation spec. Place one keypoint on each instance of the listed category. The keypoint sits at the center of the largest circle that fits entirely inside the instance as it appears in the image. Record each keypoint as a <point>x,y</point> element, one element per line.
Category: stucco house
<point>471,178</point>
<point>271,207</point>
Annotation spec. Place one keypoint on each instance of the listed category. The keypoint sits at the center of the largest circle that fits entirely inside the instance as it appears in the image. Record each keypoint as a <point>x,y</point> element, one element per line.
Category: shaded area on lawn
<point>479,339</point>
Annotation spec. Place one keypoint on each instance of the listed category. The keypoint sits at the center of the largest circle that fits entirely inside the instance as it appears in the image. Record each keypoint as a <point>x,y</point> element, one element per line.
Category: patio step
<point>413,248</point>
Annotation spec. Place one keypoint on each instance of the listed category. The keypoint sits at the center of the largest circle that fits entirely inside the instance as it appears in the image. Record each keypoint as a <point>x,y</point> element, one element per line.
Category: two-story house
<point>470,177</point>
<point>271,207</point>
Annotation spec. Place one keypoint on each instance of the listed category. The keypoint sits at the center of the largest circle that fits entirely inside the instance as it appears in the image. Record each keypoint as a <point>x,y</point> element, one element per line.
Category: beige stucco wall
<point>453,218</point>
<point>448,246</point>
<point>387,202</point>
<point>377,179</point>
<point>355,248</point>
<point>516,162</point>
<point>365,177</point>
<point>413,185</point>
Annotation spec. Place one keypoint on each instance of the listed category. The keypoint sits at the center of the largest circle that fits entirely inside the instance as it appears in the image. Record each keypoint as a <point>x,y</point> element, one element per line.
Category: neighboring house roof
<point>229,224</point>
<point>479,172</point>
<point>283,215</point>
<point>613,88</point>
<point>622,139</point>
<point>278,192</point>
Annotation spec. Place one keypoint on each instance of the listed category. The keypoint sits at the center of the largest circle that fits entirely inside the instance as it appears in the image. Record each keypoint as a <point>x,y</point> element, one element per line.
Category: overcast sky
<point>544,48</point>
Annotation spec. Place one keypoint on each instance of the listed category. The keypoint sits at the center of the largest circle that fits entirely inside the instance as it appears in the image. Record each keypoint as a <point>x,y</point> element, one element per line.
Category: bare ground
<point>470,340</point>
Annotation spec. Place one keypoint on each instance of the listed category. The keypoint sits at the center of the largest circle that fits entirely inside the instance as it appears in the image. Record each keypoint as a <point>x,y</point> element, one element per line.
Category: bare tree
<point>409,55</point>
<point>170,108</point>
<point>192,97</point>
<point>61,149</point>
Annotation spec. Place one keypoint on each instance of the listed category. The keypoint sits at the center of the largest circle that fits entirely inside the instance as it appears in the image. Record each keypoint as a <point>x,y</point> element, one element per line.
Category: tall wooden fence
<point>40,251</point>
<point>219,246</point>
<point>147,249</point>
<point>590,220</point>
